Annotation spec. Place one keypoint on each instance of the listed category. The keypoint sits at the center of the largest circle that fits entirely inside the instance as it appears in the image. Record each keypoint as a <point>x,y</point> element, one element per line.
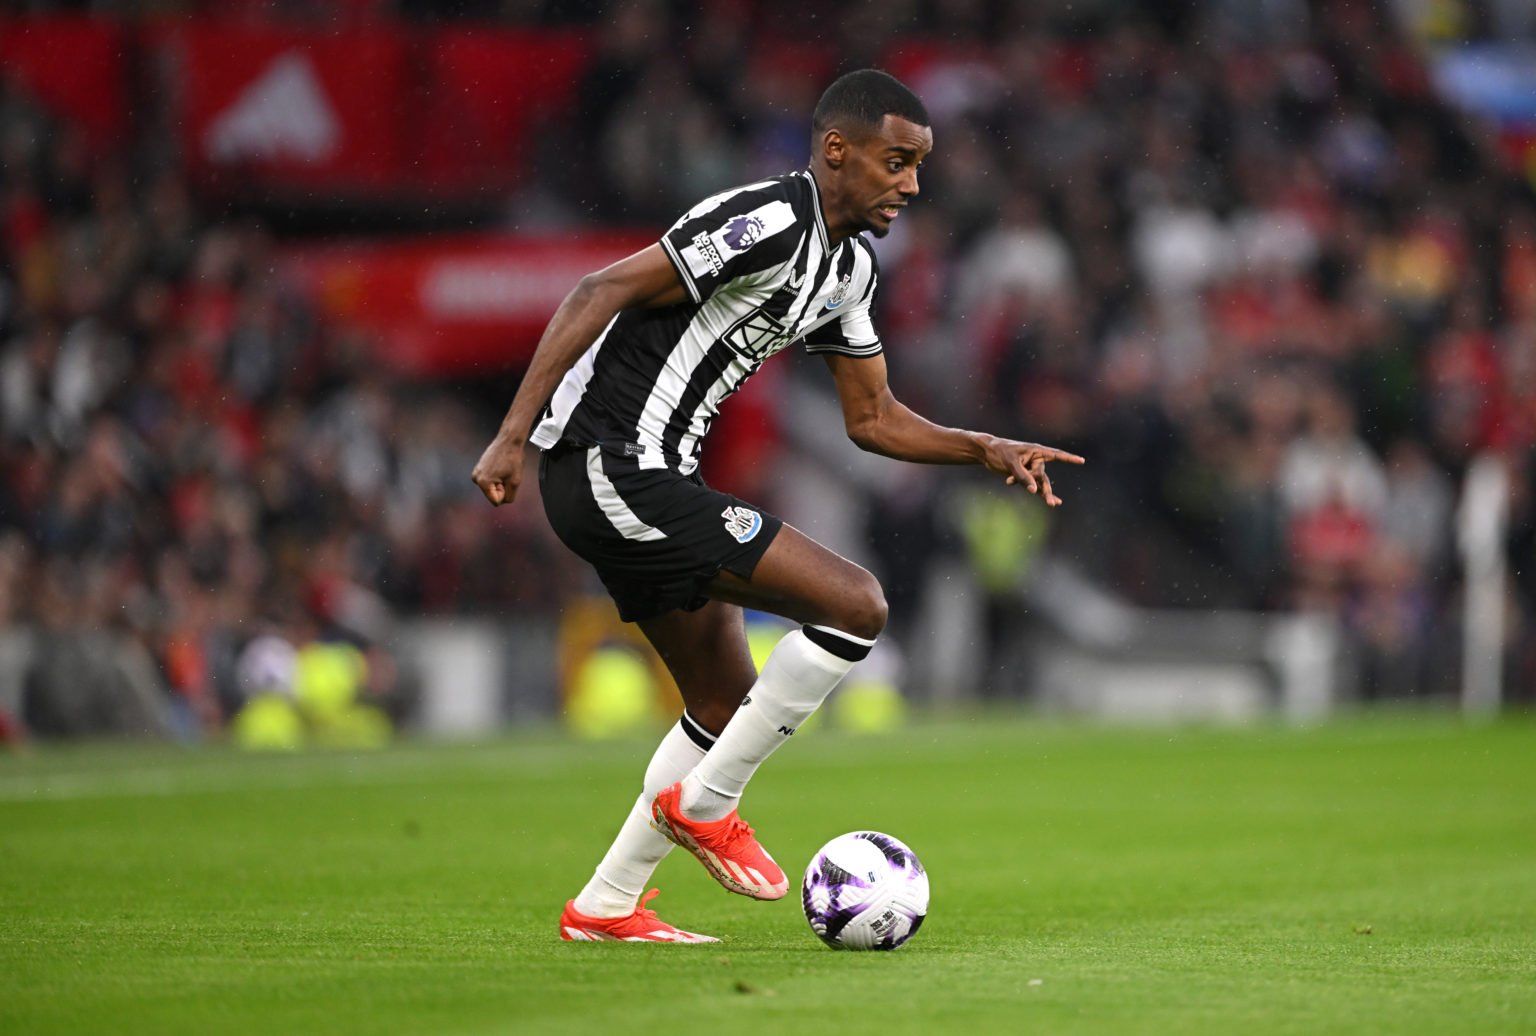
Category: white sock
<point>615,888</point>
<point>796,679</point>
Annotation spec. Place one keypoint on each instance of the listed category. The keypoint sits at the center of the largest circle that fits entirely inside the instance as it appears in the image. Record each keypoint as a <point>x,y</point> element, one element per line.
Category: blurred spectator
<point>90,674</point>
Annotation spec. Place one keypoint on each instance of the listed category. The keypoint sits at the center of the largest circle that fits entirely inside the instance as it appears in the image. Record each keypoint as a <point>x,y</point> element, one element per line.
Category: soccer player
<point>619,396</point>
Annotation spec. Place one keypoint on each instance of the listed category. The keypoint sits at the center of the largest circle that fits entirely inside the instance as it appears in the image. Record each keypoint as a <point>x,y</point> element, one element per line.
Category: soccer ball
<point>865,891</point>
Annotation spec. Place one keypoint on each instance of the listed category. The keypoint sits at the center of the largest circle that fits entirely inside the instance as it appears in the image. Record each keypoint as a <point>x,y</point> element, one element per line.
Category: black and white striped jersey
<point>760,275</point>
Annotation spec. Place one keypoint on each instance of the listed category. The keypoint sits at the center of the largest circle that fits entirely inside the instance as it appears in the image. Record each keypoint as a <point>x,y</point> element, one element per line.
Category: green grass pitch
<point>1376,875</point>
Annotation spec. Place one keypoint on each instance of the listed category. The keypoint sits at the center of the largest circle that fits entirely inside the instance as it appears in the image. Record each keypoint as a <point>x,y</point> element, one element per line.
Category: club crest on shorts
<point>742,523</point>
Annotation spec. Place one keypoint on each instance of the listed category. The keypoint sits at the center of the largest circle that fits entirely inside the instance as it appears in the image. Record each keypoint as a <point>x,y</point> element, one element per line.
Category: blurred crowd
<point>195,469</point>
<point>1240,256</point>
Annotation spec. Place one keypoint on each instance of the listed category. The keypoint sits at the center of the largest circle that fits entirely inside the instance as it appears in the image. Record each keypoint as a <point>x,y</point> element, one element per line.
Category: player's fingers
<point>1023,475</point>
<point>494,491</point>
<point>1063,455</point>
<point>1037,468</point>
<point>1047,492</point>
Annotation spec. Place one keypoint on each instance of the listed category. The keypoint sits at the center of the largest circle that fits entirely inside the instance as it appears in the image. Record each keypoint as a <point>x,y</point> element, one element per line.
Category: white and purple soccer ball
<point>865,891</point>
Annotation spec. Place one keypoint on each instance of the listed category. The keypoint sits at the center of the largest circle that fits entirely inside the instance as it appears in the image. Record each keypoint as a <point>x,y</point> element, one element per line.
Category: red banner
<point>454,305</point>
<point>73,66</point>
<point>301,108</point>
<point>489,94</point>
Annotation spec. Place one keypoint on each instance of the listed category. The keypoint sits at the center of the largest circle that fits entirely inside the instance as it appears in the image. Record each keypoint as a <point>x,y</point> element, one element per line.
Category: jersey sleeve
<point>853,333</point>
<point>730,236</point>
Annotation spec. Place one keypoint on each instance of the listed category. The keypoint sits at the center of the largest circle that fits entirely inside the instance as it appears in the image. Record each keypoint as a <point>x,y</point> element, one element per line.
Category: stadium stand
<point>1248,259</point>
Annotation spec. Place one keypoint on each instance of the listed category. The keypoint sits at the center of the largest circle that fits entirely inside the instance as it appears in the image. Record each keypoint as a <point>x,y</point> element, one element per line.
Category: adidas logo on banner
<point>284,114</point>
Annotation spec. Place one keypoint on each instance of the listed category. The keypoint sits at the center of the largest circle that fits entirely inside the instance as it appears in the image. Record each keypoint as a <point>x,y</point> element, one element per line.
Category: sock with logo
<point>796,679</point>
<point>615,888</point>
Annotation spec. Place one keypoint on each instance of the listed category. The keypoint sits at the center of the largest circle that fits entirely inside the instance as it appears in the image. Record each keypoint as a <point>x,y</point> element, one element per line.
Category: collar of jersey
<point>821,226</point>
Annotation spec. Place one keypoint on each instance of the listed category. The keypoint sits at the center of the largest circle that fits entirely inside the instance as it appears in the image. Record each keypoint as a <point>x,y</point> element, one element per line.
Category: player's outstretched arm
<point>646,278</point>
<point>878,422</point>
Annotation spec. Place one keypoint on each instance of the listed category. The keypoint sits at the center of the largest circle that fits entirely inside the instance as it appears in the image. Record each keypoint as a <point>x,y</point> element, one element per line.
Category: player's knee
<point>866,611</point>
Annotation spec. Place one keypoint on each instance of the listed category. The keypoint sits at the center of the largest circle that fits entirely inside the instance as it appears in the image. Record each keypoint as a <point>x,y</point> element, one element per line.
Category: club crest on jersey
<point>840,293</point>
<point>742,233</point>
<point>742,523</point>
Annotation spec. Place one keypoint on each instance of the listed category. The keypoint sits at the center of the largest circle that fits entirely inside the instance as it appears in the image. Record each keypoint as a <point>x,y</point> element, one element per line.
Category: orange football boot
<point>725,847</point>
<point>641,926</point>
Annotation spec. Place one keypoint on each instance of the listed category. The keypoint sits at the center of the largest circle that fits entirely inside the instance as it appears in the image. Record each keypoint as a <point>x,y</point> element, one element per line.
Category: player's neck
<point>838,230</point>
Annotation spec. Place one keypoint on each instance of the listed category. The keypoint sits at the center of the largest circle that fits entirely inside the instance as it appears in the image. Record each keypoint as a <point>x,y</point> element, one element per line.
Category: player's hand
<point>500,470</point>
<point>1024,464</point>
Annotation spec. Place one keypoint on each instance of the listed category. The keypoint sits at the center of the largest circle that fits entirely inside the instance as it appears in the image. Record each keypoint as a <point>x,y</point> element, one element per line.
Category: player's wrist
<point>980,446</point>
<point>512,434</point>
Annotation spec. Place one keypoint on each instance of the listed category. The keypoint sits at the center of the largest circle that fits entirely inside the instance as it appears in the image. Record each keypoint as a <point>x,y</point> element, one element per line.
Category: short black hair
<point>861,100</point>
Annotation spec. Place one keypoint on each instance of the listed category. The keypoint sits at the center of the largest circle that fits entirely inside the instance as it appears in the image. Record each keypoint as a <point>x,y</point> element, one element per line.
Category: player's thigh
<point>800,579</point>
<point>707,654</point>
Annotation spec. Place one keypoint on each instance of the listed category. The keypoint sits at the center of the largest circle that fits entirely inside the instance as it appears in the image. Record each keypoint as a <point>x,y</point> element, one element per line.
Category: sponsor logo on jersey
<point>708,251</point>
<point>742,523</point>
<point>742,233</point>
<point>758,336</point>
<point>840,293</point>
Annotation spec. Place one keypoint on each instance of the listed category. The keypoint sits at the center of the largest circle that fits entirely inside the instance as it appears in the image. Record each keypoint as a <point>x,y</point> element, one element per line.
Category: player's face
<point>880,176</point>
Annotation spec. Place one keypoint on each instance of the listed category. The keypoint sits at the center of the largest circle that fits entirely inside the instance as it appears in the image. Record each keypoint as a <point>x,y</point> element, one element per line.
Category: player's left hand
<point>1024,464</point>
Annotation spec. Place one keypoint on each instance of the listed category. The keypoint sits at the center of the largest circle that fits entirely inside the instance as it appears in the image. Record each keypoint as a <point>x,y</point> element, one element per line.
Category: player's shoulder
<point>791,189</point>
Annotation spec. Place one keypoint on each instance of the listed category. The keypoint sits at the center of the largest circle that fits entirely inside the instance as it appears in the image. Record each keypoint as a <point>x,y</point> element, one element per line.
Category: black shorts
<point>656,538</point>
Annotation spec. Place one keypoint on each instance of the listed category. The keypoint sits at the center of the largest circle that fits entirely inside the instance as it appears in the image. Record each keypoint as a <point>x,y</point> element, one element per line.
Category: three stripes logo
<point>734,872</point>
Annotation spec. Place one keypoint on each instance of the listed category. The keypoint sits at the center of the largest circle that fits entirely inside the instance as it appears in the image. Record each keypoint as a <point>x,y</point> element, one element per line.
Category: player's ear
<point>834,148</point>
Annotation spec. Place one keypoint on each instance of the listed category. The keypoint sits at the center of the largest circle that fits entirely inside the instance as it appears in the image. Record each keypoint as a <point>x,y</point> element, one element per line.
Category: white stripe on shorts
<point>626,521</point>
